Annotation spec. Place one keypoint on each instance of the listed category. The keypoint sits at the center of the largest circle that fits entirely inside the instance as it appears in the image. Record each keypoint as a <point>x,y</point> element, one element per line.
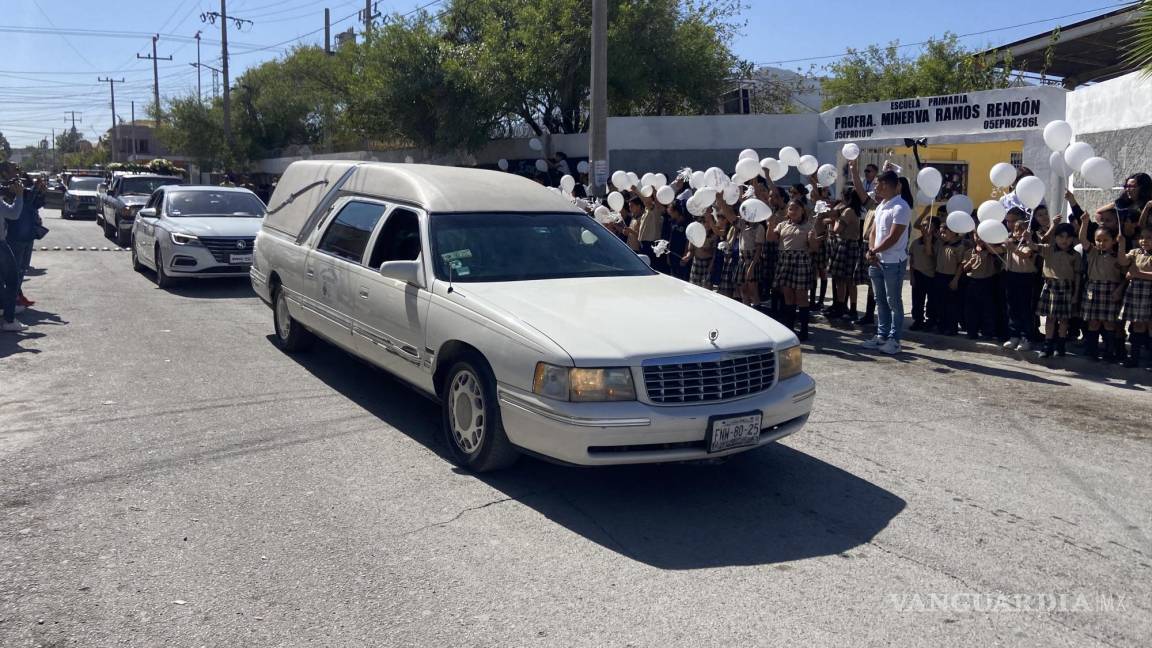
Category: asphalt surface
<point>169,478</point>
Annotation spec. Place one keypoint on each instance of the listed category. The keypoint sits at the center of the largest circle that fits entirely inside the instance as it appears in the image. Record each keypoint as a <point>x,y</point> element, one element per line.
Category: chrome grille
<point>711,378</point>
<point>222,247</point>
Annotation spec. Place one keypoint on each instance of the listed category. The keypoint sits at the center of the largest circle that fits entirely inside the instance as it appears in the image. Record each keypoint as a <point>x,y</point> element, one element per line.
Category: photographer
<point>9,282</point>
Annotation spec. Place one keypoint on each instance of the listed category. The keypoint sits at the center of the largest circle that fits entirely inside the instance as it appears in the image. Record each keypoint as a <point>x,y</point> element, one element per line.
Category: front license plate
<point>240,259</point>
<point>733,432</point>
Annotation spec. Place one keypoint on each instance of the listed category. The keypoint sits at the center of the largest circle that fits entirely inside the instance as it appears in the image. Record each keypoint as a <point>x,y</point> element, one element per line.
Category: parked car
<point>81,197</point>
<point>196,232</point>
<point>123,196</point>
<point>535,328</point>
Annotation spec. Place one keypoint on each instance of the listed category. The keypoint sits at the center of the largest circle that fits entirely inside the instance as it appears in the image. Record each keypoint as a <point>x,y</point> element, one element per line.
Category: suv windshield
<point>83,184</point>
<point>214,203</point>
<point>145,186</point>
<point>526,247</point>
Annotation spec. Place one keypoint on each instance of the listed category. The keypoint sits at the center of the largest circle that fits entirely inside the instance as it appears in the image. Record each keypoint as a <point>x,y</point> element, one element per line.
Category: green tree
<point>68,141</point>
<point>196,129</point>
<point>882,73</point>
<point>1138,47</point>
<point>5,148</point>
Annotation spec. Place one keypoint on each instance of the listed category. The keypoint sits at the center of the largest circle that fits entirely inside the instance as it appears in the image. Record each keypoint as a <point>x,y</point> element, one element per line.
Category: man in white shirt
<point>888,256</point>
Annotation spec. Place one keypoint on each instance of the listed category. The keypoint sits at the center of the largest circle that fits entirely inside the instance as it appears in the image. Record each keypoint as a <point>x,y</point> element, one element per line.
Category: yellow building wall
<point>980,158</point>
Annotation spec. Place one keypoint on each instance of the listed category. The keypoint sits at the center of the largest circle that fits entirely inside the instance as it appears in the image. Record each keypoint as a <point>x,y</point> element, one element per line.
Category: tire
<point>162,279</point>
<point>65,215</point>
<point>109,231</point>
<point>291,336</point>
<point>136,265</point>
<point>119,236</point>
<point>472,428</point>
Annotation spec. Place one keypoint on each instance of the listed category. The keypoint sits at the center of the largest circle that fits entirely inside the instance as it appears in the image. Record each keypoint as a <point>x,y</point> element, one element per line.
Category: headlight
<point>791,362</point>
<point>184,239</point>
<point>581,385</point>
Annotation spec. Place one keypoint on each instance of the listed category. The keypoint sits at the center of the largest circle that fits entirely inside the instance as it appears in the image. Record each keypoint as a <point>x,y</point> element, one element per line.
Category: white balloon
<point>960,222</point>
<point>634,179</point>
<point>826,175</point>
<point>850,151</point>
<point>1077,154</point>
<point>747,168</point>
<point>929,180</point>
<point>715,178</point>
<point>665,195</point>
<point>1098,172</point>
<point>503,164</point>
<point>535,144</point>
<point>582,167</point>
<point>603,214</point>
<point>922,198</point>
<point>992,210</point>
<point>696,234</point>
<point>732,193</point>
<point>1030,190</point>
<point>659,180</point>
<point>808,165</point>
<point>755,211</point>
<point>706,196</point>
<point>1056,161</point>
<point>588,237</point>
<point>960,202</point>
<point>696,207</point>
<point>992,232</point>
<point>616,201</point>
<point>541,166</point>
<point>621,181</point>
<point>1057,135</point>
<point>749,154</point>
<point>647,191</point>
<point>768,163</point>
<point>789,156</point>
<point>567,184</point>
<point>647,180</point>
<point>697,180</point>
<point>779,170</point>
<point>1002,174</point>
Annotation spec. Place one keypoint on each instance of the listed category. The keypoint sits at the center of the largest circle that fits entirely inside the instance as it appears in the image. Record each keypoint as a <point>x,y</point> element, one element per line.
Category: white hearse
<point>535,328</point>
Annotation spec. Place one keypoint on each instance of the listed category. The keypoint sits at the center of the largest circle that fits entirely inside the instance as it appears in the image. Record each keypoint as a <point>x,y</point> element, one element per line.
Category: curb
<point>80,248</point>
<point>1073,362</point>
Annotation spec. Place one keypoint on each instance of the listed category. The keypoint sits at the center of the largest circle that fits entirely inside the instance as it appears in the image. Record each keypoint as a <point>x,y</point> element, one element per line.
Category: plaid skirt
<point>727,284</point>
<point>860,278</point>
<point>845,257</point>
<point>1138,301</point>
<point>794,270</point>
<point>1098,303</point>
<point>1056,300</point>
<point>700,273</point>
<point>771,258</point>
<point>820,257</point>
<point>746,261</point>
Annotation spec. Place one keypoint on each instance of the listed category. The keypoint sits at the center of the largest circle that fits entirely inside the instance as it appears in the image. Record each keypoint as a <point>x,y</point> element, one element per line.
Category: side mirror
<point>147,212</point>
<point>408,272</point>
<point>645,259</point>
<point>102,187</point>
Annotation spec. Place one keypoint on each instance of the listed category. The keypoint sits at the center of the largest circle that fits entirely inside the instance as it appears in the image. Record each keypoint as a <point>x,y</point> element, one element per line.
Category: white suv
<point>536,328</point>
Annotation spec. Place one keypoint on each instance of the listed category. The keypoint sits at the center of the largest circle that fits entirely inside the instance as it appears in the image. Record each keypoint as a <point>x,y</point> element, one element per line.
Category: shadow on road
<point>228,288</point>
<point>10,343</point>
<point>770,506</point>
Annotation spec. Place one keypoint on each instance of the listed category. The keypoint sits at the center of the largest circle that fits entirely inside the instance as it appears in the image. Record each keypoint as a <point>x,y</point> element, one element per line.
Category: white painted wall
<point>1124,102</point>
<point>713,132</point>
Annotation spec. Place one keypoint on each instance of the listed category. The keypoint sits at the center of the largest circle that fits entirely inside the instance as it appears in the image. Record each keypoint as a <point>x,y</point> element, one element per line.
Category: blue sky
<point>45,73</point>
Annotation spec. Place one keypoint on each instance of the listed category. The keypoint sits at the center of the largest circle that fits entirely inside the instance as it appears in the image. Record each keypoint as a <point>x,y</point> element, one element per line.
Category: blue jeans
<point>9,282</point>
<point>888,285</point>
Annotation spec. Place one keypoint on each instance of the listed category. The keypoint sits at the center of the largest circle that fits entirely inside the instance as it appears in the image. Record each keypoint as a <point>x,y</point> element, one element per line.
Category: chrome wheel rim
<point>283,320</point>
<point>467,411</point>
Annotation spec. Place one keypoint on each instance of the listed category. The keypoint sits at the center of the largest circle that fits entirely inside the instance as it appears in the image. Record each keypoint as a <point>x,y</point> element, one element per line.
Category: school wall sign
<point>970,113</point>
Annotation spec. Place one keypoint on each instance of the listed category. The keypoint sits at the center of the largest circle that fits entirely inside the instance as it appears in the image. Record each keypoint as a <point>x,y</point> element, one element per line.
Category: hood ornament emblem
<point>713,335</point>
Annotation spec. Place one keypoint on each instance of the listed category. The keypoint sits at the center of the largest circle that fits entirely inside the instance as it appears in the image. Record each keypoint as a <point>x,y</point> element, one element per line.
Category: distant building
<point>137,141</point>
<point>345,38</point>
<point>752,96</point>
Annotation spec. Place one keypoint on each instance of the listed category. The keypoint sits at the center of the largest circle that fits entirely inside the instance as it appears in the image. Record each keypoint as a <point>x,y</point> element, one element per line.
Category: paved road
<point>169,478</point>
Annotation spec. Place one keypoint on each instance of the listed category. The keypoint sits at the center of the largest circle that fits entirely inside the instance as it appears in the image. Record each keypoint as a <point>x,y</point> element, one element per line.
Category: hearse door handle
<point>363,292</point>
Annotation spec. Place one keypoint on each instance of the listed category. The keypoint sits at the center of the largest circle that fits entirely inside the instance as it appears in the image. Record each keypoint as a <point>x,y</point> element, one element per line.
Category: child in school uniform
<point>948,254</point>
<point>1138,298</point>
<point>700,258</point>
<point>1061,290</point>
<point>1020,273</point>
<point>794,272</point>
<point>980,267</point>
<point>922,268</point>
<point>1104,290</point>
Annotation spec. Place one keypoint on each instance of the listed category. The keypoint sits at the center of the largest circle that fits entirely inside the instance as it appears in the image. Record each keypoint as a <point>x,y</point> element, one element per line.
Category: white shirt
<point>889,214</point>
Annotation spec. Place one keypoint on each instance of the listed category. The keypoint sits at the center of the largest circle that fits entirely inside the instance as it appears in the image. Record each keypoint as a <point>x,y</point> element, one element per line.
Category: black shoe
<point>917,326</point>
<point>1049,346</point>
<point>866,320</point>
<point>1061,347</point>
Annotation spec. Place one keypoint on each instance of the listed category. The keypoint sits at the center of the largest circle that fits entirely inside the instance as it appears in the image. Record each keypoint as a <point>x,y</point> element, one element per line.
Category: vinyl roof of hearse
<point>436,189</point>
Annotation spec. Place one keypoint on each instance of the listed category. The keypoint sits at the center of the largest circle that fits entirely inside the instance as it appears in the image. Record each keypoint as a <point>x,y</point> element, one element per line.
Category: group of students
<point>1054,279</point>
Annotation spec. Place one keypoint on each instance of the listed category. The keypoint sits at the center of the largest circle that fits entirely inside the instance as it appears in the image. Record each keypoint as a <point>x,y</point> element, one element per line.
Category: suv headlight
<point>184,239</point>
<point>791,362</point>
<point>582,385</point>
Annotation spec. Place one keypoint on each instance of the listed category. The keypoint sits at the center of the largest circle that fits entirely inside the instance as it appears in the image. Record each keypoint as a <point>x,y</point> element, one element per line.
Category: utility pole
<point>367,15</point>
<point>73,113</point>
<point>155,74</point>
<point>199,92</point>
<point>327,31</point>
<point>211,17</point>
<point>115,127</point>
<point>598,128</point>
<point>132,125</point>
